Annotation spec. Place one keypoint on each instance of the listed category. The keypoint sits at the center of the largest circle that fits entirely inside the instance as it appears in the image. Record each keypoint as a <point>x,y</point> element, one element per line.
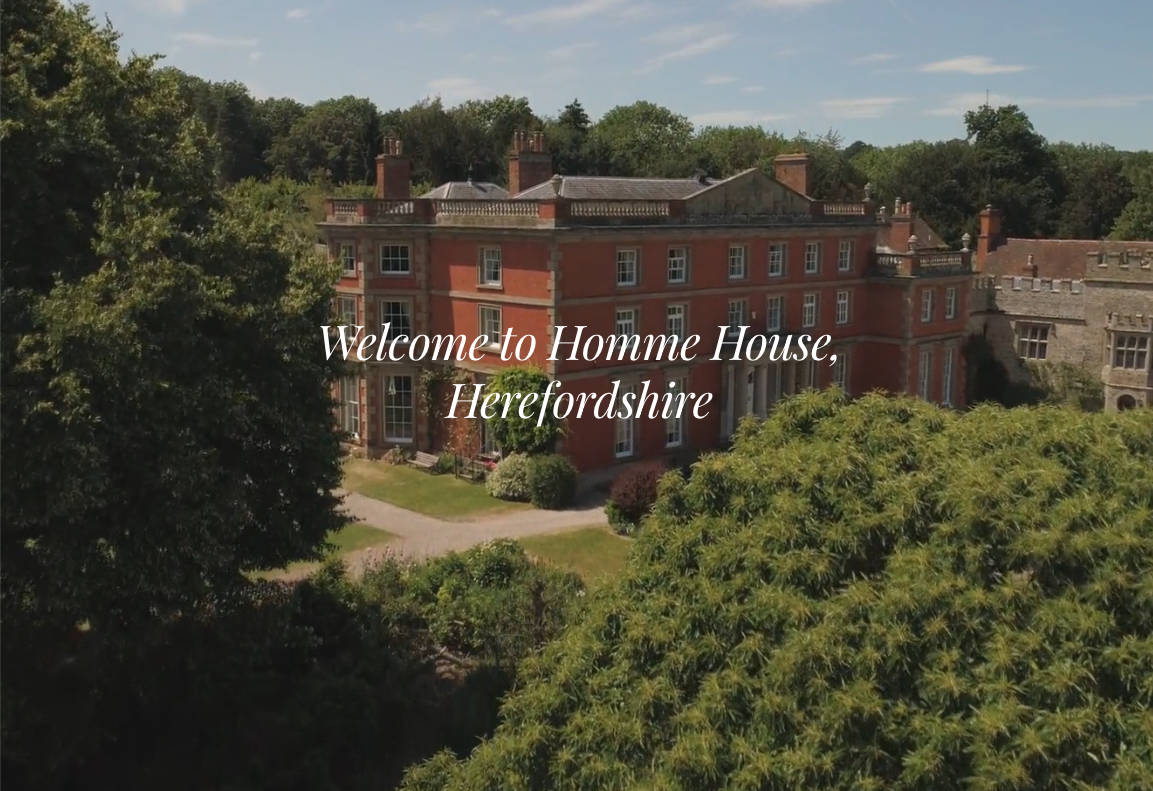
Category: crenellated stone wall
<point>1078,315</point>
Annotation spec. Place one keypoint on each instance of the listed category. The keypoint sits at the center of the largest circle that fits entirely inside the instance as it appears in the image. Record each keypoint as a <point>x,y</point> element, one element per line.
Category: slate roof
<point>467,190</point>
<point>1065,259</point>
<point>927,238</point>
<point>614,188</point>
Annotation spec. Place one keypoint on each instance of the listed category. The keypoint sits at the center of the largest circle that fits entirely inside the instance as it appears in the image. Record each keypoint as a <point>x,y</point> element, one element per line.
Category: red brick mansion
<point>640,256</point>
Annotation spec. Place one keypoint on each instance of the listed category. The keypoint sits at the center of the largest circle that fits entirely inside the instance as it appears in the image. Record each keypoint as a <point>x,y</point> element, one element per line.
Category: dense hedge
<point>552,481</point>
<point>876,595</point>
<point>632,496</point>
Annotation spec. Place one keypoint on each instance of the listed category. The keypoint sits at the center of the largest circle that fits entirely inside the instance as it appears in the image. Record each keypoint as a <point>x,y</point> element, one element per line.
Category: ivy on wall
<point>1059,384</point>
<point>436,387</point>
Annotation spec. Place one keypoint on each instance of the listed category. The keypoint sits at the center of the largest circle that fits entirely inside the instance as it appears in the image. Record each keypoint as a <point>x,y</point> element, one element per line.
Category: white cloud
<point>168,7</point>
<point>797,4</point>
<point>858,108</point>
<point>690,51</point>
<point>569,51</point>
<point>255,56</point>
<point>677,35</point>
<point>719,79</point>
<point>737,118</point>
<point>958,104</point>
<point>752,89</point>
<point>876,57</point>
<point>638,12</point>
<point>457,89</point>
<point>972,64</point>
<point>432,25</point>
<point>215,42</point>
<point>448,20</point>
<point>297,13</point>
<point>564,13</point>
<point>1092,101</point>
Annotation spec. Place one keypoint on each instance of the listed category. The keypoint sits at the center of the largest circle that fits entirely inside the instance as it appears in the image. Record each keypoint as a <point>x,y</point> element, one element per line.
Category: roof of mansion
<point>1063,258</point>
<point>618,188</point>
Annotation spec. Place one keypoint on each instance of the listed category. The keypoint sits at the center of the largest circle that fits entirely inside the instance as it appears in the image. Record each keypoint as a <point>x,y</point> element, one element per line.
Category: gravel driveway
<point>419,536</point>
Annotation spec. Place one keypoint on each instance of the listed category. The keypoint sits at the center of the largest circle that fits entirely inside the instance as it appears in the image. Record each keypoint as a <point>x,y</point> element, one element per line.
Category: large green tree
<point>1018,171</point>
<point>871,595</point>
<point>1096,190</point>
<point>640,139</point>
<point>1135,223</point>
<point>339,138</point>
<point>166,414</point>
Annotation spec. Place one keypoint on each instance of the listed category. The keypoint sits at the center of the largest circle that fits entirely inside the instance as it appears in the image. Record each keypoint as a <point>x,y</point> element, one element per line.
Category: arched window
<point>1126,402</point>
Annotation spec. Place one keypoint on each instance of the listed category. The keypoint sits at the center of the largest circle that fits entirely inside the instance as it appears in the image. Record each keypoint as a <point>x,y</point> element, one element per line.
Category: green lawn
<point>594,553</point>
<point>358,536</point>
<point>350,539</point>
<point>440,496</point>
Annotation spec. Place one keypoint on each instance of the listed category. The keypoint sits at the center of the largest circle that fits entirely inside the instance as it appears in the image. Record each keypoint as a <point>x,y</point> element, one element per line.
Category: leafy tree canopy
<point>876,595</point>
<point>167,423</point>
<point>516,434</point>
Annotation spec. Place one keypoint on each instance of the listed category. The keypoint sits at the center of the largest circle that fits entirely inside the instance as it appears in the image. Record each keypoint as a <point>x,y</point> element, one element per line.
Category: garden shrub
<point>509,479</point>
<point>872,595</point>
<point>551,481</point>
<point>445,463</point>
<point>632,496</point>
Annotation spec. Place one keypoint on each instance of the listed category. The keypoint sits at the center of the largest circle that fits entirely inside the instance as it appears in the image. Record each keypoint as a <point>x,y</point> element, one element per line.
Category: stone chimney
<point>529,164</point>
<point>393,171</point>
<point>792,170</point>
<point>989,238</point>
<point>901,226</point>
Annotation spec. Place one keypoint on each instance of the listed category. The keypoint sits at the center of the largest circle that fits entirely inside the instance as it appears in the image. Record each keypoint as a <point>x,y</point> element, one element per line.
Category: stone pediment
<point>751,192</point>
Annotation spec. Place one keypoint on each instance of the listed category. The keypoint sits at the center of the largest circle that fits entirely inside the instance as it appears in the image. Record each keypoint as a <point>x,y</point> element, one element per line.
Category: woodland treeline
<point>1047,190</point>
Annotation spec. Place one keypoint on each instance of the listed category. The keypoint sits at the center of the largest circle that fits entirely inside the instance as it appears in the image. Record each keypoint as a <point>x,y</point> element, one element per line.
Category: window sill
<point>491,286</point>
<point>399,441</point>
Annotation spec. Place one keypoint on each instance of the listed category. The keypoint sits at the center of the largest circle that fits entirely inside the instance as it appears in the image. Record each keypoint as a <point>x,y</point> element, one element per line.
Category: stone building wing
<point>1062,258</point>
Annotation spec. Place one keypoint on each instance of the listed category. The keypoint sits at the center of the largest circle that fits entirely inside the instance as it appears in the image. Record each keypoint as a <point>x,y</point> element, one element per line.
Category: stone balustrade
<point>928,264</point>
<point>619,208</point>
<point>559,212</point>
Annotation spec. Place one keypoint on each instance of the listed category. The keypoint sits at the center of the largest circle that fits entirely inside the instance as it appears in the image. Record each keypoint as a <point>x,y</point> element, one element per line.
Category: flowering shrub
<point>508,479</point>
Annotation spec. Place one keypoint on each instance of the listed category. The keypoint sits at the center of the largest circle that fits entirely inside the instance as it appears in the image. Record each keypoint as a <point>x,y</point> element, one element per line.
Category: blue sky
<point>885,71</point>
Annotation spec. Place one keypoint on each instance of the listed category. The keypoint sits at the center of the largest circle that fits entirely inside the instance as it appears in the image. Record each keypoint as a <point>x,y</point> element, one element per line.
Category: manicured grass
<point>440,496</point>
<point>594,553</point>
<point>350,539</point>
<point>358,536</point>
